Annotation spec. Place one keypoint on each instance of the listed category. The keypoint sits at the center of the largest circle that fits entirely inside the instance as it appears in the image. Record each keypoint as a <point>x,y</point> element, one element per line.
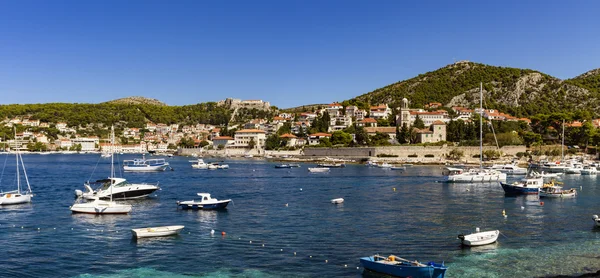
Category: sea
<point>281,223</point>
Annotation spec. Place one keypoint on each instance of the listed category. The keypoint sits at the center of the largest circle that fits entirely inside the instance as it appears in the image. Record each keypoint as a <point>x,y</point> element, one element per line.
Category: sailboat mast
<point>562,146</point>
<point>112,159</point>
<point>480,124</point>
<point>17,160</point>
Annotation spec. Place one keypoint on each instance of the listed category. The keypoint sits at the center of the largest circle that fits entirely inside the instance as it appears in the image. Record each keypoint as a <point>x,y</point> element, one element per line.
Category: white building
<point>380,111</point>
<point>87,144</point>
<point>245,136</point>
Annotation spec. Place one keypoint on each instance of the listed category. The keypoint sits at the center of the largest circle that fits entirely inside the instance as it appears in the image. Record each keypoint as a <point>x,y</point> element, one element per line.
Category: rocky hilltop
<point>137,100</point>
<point>521,92</point>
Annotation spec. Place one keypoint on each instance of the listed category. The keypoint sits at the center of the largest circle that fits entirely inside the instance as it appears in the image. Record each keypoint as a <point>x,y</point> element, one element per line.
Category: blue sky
<point>289,52</point>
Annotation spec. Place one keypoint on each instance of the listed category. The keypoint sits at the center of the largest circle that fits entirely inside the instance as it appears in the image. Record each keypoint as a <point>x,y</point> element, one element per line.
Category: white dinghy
<point>156,231</point>
<point>337,201</point>
<point>596,220</point>
<point>479,238</point>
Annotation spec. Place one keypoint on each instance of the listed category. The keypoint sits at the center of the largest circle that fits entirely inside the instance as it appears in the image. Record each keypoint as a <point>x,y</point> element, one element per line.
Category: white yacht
<point>589,170</point>
<point>509,169</point>
<point>117,188</point>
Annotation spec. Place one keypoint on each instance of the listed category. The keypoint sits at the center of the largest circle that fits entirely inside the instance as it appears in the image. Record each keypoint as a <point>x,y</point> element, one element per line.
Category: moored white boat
<point>337,201</point>
<point>118,188</point>
<point>17,196</point>
<point>157,231</point>
<point>200,164</point>
<point>596,220</point>
<point>385,165</point>
<point>205,202</point>
<point>399,267</point>
<point>527,185</point>
<point>145,165</point>
<point>318,170</point>
<point>479,238</point>
<point>589,170</point>
<point>557,192</point>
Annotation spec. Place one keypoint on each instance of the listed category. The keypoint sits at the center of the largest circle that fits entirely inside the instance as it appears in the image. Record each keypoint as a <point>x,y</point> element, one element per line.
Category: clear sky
<point>288,52</point>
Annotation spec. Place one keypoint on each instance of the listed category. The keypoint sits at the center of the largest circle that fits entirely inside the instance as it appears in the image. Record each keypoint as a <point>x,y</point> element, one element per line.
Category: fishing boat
<point>156,231</point>
<point>17,196</point>
<point>318,170</point>
<point>200,164</point>
<point>555,191</point>
<point>98,206</point>
<point>117,188</point>
<point>145,165</point>
<point>476,175</point>
<point>527,185</point>
<point>205,202</point>
<point>479,238</point>
<point>396,266</point>
<point>337,201</point>
<point>596,220</point>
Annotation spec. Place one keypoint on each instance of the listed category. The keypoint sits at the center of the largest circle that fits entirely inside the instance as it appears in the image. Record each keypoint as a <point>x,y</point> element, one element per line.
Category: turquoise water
<point>310,237</point>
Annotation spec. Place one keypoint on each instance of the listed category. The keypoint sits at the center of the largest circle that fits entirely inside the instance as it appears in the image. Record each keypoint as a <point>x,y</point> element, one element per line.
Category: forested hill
<point>130,115</point>
<point>520,92</point>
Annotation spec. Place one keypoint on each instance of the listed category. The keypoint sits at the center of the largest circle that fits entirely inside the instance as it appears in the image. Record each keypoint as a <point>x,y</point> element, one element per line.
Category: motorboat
<point>385,165</point>
<point>283,166</point>
<point>545,175</point>
<point>331,165</point>
<point>200,164</point>
<point>217,165</point>
<point>105,155</point>
<point>574,168</point>
<point>337,201</point>
<point>18,196</point>
<point>555,191</point>
<point>294,165</point>
<point>205,202</point>
<point>145,165</point>
<point>398,168</point>
<point>399,267</point>
<point>318,170</point>
<point>459,175</point>
<point>371,163</point>
<point>527,185</point>
<point>596,220</point>
<point>117,188</point>
<point>156,231</point>
<point>98,206</point>
<point>479,238</point>
<point>509,169</point>
<point>589,170</point>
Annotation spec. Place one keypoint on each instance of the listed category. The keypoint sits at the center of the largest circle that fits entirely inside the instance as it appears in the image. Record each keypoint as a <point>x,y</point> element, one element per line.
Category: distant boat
<point>294,165</point>
<point>105,155</point>
<point>556,191</point>
<point>318,170</point>
<point>398,168</point>
<point>510,169</point>
<point>331,165</point>
<point>283,166</point>
<point>145,165</point>
<point>479,238</point>
<point>17,196</point>
<point>589,170</point>
<point>156,231</point>
<point>199,164</point>
<point>206,202</point>
<point>596,220</point>
<point>396,266</point>
<point>385,165</point>
<point>527,185</point>
<point>337,201</point>
<point>118,188</point>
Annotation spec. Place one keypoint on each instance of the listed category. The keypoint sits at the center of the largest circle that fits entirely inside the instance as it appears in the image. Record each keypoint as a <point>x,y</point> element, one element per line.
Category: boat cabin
<point>449,171</point>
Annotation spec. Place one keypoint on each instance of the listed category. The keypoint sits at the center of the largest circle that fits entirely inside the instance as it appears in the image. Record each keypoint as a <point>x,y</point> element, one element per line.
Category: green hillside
<point>520,92</point>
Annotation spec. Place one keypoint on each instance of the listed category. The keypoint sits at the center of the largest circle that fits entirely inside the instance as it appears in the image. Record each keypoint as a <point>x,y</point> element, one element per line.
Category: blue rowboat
<point>396,266</point>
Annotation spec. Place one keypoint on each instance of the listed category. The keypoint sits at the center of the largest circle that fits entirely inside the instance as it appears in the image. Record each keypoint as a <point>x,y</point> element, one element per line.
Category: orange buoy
<point>541,203</point>
<point>222,233</point>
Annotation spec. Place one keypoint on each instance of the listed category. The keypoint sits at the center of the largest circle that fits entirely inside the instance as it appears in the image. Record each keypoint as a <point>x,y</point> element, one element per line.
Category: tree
<point>252,143</point>
<point>286,128</point>
<point>531,138</point>
<point>324,142</point>
<point>380,139</point>
<point>361,136</point>
<point>203,143</point>
<point>273,142</point>
<point>186,142</point>
<point>340,138</point>
<point>403,134</point>
<point>419,122</point>
<point>456,154</point>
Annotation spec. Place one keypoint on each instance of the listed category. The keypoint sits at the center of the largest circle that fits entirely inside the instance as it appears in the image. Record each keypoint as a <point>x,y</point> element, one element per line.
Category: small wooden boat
<point>337,201</point>
<point>318,170</point>
<point>156,231</point>
<point>479,238</point>
<point>557,192</point>
<point>396,266</point>
<point>596,220</point>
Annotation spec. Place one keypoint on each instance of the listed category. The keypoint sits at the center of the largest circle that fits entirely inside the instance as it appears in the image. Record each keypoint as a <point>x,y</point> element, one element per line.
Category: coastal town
<point>426,125</point>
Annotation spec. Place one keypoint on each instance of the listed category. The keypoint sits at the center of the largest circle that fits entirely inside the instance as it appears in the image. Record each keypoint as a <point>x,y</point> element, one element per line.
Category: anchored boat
<point>396,266</point>
<point>156,231</point>
<point>479,238</point>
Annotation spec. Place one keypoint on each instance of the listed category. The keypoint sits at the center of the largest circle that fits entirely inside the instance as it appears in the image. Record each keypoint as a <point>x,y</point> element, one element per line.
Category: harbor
<point>283,223</point>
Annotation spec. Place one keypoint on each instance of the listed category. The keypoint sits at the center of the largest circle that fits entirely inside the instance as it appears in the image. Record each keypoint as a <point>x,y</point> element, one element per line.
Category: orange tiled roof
<point>288,135</point>
<point>320,134</point>
<point>250,131</point>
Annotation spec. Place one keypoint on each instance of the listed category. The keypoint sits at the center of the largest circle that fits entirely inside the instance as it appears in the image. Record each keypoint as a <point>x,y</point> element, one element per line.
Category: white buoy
<point>251,241</point>
<point>477,230</point>
<point>212,232</point>
<point>294,253</point>
<point>281,250</point>
<point>522,207</point>
<point>286,204</point>
<point>300,189</point>
<point>263,245</point>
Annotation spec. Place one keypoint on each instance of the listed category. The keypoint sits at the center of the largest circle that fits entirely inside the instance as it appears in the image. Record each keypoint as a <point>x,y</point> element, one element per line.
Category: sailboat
<point>476,174</point>
<point>98,206</point>
<point>17,196</point>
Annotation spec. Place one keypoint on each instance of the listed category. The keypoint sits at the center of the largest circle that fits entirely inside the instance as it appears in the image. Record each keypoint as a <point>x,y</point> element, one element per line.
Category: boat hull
<point>510,189</point>
<point>15,199</point>
<point>557,195</point>
<point>100,207</point>
<point>479,239</point>
<point>476,178</point>
<point>199,205</point>
<point>145,168</point>
<point>430,271</point>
